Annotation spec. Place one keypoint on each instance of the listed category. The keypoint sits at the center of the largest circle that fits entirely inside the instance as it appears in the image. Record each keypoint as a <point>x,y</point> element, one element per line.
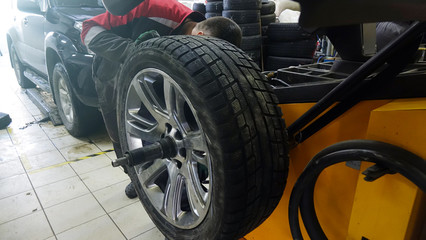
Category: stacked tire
<point>213,8</point>
<point>246,13</point>
<point>287,45</point>
<point>267,14</point>
<point>199,7</point>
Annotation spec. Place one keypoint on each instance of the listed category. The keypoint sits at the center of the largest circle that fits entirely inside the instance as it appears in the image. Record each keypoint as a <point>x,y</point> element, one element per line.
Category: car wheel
<point>231,162</point>
<point>78,119</point>
<point>23,81</point>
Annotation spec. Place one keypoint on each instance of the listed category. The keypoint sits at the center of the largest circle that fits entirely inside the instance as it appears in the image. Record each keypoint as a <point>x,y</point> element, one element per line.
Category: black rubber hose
<point>386,155</point>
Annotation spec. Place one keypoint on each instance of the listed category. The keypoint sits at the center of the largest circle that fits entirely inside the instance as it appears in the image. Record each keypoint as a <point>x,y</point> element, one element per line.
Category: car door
<point>31,21</point>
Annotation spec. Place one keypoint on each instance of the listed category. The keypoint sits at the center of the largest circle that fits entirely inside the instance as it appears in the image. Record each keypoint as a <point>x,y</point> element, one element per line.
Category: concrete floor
<point>45,193</point>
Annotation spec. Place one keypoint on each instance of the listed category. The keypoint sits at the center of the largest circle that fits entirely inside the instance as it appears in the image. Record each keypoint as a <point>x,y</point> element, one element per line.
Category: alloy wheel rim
<point>65,100</point>
<point>179,187</point>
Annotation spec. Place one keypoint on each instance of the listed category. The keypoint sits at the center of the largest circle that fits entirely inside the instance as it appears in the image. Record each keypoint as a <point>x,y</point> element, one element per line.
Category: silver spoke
<point>195,141</point>
<point>139,127</point>
<point>173,193</point>
<point>159,117</point>
<point>151,174</point>
<point>196,194</point>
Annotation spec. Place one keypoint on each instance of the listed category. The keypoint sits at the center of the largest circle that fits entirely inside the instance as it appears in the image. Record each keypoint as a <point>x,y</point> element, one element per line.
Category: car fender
<point>60,48</point>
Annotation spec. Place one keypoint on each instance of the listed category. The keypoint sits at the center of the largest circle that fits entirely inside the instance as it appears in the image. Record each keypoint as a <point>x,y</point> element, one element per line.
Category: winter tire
<point>250,29</point>
<point>231,158</point>
<point>241,4</point>
<point>23,81</point>
<point>254,54</point>
<point>299,49</point>
<point>241,17</point>
<point>214,7</point>
<point>278,32</point>
<point>251,42</point>
<point>211,14</point>
<point>267,8</point>
<point>274,63</point>
<point>199,7</point>
<point>78,119</point>
<point>268,19</point>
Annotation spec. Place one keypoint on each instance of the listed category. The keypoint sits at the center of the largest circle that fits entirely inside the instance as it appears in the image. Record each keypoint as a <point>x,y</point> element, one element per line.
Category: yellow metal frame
<point>347,206</point>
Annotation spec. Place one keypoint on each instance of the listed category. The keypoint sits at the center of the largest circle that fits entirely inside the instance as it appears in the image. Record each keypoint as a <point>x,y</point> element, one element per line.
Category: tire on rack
<point>268,19</point>
<point>199,7</point>
<point>278,32</point>
<point>242,16</point>
<point>214,7</point>
<point>23,81</point>
<point>250,29</point>
<point>231,164</point>
<point>212,14</point>
<point>78,119</point>
<point>241,4</point>
<point>251,42</point>
<point>267,8</point>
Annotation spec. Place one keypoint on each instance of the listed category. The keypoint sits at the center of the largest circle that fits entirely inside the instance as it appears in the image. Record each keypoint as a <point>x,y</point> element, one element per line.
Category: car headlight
<point>78,25</point>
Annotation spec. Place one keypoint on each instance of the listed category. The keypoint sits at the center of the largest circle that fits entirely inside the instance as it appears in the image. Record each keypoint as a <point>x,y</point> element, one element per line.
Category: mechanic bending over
<point>112,38</point>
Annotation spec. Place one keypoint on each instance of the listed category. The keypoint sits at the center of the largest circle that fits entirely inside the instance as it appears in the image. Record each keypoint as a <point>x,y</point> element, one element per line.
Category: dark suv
<point>46,51</point>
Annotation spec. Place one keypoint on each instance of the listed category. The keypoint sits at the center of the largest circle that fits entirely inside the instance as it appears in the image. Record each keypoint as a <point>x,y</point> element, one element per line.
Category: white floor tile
<point>54,131</point>
<point>43,160</point>
<point>153,234</point>
<point>73,213</point>
<point>90,164</point>
<point>11,168</point>
<point>28,134</point>
<point>113,197</point>
<point>68,141</point>
<point>79,150</point>
<point>99,228</point>
<point>8,152</point>
<point>36,147</point>
<point>4,137</point>
<point>103,177</point>
<point>14,185</point>
<point>18,206</point>
<point>33,226</point>
<point>132,220</point>
<point>61,191</point>
<point>46,176</point>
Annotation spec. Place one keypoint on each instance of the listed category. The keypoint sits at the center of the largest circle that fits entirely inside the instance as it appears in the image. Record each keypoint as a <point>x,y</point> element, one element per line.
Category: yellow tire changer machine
<point>357,163</point>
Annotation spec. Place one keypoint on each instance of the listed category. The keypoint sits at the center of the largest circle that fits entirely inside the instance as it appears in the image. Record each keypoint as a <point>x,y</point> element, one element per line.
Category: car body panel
<point>44,38</point>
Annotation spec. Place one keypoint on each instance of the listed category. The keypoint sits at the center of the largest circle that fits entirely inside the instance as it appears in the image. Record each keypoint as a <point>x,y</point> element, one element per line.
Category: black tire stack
<point>267,14</point>
<point>287,45</point>
<point>199,7</point>
<point>213,8</point>
<point>246,13</point>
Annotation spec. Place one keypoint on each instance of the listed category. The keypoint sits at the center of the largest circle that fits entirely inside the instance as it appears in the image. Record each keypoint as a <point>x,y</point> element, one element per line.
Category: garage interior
<point>56,186</point>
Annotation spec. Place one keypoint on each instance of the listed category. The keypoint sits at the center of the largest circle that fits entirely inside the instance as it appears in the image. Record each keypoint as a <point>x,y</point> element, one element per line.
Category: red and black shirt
<point>109,36</point>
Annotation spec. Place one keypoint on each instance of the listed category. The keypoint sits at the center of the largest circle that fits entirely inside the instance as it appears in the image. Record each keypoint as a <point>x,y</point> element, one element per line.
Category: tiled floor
<point>45,194</point>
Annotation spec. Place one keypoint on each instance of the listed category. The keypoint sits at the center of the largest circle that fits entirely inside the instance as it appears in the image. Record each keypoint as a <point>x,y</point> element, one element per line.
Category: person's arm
<point>99,36</point>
